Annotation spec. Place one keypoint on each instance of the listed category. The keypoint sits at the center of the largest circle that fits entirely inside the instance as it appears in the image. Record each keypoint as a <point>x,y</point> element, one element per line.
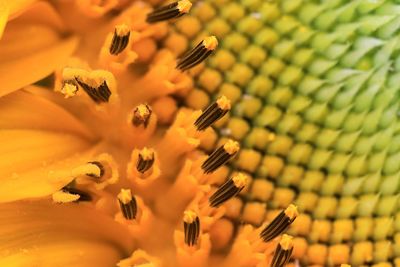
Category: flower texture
<point>232,133</point>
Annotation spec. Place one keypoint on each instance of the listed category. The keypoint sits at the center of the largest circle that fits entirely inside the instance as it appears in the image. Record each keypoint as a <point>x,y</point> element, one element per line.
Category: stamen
<point>280,223</point>
<point>100,94</point>
<point>220,156</point>
<point>145,160</point>
<point>141,115</point>
<point>173,10</point>
<point>229,189</point>
<point>128,204</point>
<point>283,251</point>
<point>213,112</point>
<point>120,39</point>
<point>191,225</point>
<point>197,54</point>
<point>100,172</point>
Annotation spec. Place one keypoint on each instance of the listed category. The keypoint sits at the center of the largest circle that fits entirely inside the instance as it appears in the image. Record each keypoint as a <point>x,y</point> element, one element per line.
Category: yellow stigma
<point>122,29</point>
<point>189,216</point>
<point>286,242</point>
<point>240,180</point>
<point>184,6</point>
<point>231,147</point>
<point>210,42</point>
<point>69,90</point>
<point>291,211</point>
<point>125,196</point>
<point>147,153</point>
<point>143,111</point>
<point>224,103</point>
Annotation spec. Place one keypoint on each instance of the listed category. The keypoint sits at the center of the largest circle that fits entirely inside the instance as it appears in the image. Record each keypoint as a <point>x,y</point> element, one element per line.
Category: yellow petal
<point>38,163</point>
<point>44,234</point>
<point>25,110</point>
<point>31,50</point>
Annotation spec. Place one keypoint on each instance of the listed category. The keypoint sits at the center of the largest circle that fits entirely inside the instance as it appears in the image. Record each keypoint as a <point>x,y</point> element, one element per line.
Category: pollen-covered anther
<point>97,171</point>
<point>99,84</point>
<point>220,156</point>
<point>212,113</point>
<point>283,251</point>
<point>191,225</point>
<point>198,54</point>
<point>171,11</point>
<point>97,174</point>
<point>98,94</point>
<point>229,189</point>
<point>128,204</point>
<point>70,194</point>
<point>145,160</point>
<point>120,39</point>
<point>141,115</point>
<point>279,224</point>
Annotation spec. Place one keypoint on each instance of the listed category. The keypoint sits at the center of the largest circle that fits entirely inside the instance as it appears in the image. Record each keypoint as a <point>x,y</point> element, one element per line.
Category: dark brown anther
<point>197,54</point>
<point>212,113</point>
<point>191,225</point>
<point>171,11</point>
<point>279,224</point>
<point>228,190</point>
<point>128,204</point>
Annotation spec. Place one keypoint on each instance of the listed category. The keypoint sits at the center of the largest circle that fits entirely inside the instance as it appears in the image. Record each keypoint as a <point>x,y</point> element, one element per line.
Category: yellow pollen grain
<point>231,147</point>
<point>69,90</point>
<point>184,6</point>
<point>143,111</point>
<point>125,196</point>
<point>286,242</point>
<point>210,42</point>
<point>64,197</point>
<point>240,180</point>
<point>122,29</point>
<point>224,103</point>
<point>189,216</point>
<point>147,153</point>
<point>291,211</point>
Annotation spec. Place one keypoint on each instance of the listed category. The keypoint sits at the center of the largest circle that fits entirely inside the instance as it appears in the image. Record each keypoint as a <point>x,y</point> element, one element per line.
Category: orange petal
<point>16,7</point>
<point>31,67</point>
<point>24,110</point>
<point>40,233</point>
<point>4,11</point>
<point>36,163</point>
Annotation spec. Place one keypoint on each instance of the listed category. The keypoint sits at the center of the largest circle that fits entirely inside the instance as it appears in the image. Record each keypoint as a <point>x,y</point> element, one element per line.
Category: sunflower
<point>144,133</point>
